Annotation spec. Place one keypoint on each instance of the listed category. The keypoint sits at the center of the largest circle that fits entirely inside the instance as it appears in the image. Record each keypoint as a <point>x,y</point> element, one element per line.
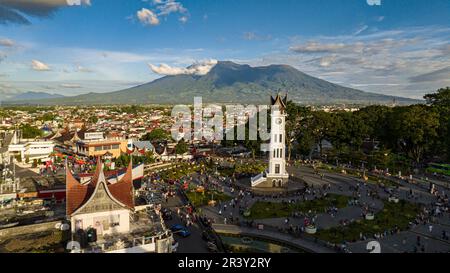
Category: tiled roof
<point>123,190</point>
<point>77,194</point>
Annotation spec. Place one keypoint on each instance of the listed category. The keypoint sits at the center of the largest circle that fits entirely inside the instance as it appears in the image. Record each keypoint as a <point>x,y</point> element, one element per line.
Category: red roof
<point>123,190</point>
<point>77,194</point>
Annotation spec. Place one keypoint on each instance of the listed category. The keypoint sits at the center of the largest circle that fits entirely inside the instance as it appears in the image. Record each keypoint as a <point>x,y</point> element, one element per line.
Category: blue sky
<point>398,48</point>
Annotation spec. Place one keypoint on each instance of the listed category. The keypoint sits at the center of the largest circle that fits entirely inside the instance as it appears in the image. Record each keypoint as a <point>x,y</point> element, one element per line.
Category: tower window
<point>277,168</point>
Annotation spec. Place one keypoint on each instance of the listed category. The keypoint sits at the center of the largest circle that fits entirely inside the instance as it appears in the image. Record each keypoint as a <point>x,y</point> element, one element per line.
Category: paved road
<point>192,244</point>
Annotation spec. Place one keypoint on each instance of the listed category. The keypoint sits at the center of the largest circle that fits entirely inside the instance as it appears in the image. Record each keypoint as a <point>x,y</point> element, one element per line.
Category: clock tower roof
<point>278,100</point>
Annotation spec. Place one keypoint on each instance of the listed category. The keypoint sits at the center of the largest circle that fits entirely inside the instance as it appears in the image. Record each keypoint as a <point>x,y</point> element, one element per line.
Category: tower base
<point>270,181</point>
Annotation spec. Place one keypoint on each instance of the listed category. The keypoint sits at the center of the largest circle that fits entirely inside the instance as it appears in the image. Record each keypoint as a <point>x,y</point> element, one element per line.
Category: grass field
<point>202,199</point>
<point>393,215</point>
<point>264,210</point>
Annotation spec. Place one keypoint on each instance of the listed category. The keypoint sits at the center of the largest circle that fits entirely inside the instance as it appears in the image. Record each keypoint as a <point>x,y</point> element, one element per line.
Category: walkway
<point>301,243</point>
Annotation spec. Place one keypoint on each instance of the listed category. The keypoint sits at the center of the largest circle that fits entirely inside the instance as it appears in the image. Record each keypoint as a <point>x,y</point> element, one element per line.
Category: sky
<point>70,47</point>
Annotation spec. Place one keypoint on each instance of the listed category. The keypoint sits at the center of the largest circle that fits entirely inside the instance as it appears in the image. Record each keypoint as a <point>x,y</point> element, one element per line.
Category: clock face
<point>279,121</point>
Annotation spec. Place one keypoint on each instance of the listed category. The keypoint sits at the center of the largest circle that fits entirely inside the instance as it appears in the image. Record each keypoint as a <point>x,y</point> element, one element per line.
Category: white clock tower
<point>277,175</point>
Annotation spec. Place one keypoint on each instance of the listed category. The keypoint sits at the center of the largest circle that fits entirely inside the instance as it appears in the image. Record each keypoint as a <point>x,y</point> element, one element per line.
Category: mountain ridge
<point>32,95</point>
<point>229,82</point>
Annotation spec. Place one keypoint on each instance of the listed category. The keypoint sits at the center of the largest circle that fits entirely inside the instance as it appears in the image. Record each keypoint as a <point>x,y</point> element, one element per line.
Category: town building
<point>100,147</point>
<point>30,150</point>
<point>109,209</point>
<point>98,204</point>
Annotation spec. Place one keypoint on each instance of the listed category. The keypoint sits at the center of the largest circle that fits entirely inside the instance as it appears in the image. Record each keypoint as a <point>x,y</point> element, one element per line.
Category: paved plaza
<point>429,233</point>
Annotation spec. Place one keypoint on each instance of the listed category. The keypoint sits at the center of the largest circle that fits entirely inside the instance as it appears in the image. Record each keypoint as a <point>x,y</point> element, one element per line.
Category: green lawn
<point>202,199</point>
<point>392,215</point>
<point>179,172</point>
<point>264,210</point>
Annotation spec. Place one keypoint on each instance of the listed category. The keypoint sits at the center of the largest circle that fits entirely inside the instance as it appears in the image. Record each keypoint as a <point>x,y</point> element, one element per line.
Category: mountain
<point>34,96</point>
<point>228,82</point>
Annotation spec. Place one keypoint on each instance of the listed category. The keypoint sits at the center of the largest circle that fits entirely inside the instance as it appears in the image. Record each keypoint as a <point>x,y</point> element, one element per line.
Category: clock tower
<point>277,175</point>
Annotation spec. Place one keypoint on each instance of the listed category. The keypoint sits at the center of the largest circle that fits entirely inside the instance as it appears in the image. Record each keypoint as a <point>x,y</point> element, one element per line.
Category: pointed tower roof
<point>278,100</point>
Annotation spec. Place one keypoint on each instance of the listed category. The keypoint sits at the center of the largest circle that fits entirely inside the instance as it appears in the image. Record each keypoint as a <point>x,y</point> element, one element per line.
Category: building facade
<point>98,204</point>
<point>101,147</point>
<point>30,149</point>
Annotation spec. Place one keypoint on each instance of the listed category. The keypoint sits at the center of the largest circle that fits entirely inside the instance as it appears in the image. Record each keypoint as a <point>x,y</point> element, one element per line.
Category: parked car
<point>181,230</point>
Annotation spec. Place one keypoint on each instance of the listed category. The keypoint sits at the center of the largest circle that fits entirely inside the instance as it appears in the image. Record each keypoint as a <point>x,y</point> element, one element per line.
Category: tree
<point>440,98</point>
<point>413,129</point>
<point>157,134</point>
<point>296,126</point>
<point>181,147</point>
<point>29,131</point>
<point>320,125</point>
<point>441,101</point>
<point>48,117</point>
<point>93,119</point>
<point>149,158</point>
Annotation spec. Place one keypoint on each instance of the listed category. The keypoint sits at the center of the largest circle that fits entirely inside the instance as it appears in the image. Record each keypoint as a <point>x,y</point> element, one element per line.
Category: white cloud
<point>183,19</point>
<point>327,61</point>
<point>39,66</point>
<point>162,8</point>
<point>199,68</point>
<point>7,42</point>
<point>316,47</point>
<point>361,30</point>
<point>83,69</point>
<point>147,17</point>
<point>68,85</point>
<point>169,6</point>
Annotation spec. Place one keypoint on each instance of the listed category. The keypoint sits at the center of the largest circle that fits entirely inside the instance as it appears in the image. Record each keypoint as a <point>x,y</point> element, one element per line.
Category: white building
<point>105,207</point>
<point>31,149</point>
<point>276,175</point>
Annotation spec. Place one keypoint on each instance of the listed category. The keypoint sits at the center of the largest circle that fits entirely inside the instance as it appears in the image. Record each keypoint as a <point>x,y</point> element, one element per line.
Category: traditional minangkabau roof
<point>278,100</point>
<point>123,190</point>
<point>75,192</point>
<point>77,195</point>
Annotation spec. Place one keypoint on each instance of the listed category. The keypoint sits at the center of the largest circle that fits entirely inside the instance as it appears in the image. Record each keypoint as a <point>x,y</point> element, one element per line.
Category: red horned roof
<point>123,190</point>
<point>77,194</point>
